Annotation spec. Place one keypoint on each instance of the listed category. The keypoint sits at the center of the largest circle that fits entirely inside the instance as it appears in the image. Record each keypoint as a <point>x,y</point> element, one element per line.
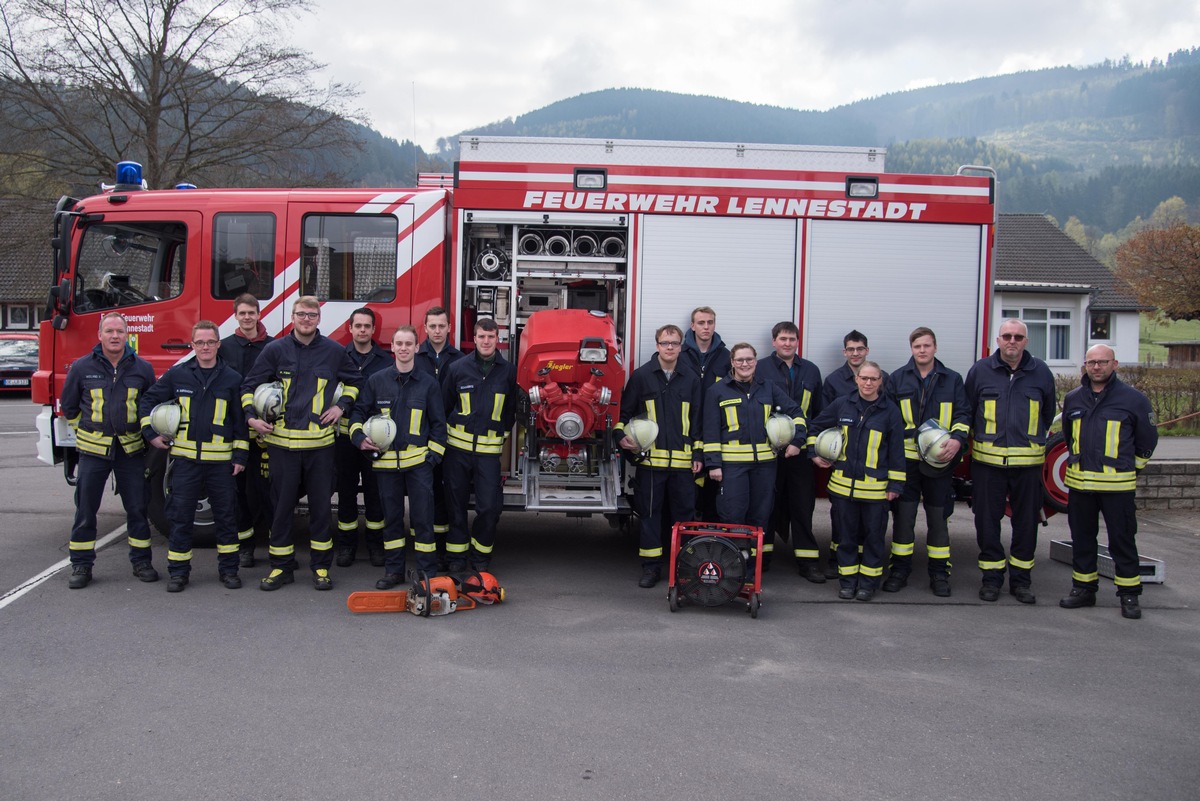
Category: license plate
<point>16,382</point>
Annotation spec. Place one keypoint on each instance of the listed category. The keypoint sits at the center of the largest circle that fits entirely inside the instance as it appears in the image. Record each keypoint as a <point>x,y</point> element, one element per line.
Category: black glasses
<point>1012,337</point>
<point>306,315</point>
<point>669,344</point>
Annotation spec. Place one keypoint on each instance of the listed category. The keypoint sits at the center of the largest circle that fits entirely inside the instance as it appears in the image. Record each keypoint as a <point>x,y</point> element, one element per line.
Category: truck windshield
<point>123,264</point>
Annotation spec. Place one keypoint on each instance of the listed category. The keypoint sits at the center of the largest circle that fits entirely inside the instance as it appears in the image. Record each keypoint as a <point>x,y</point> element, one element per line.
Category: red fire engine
<point>579,249</point>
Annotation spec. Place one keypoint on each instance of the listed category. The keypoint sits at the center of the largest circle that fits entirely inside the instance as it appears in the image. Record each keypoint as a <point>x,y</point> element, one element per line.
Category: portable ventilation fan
<point>710,570</point>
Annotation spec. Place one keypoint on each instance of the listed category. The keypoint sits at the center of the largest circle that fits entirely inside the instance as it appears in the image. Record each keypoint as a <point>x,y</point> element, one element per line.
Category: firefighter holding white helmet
<point>403,467</point>
<point>210,447</point>
<point>664,394</point>
<point>300,443</point>
<point>737,452</point>
<point>795,483</point>
<point>924,389</point>
<point>867,476</point>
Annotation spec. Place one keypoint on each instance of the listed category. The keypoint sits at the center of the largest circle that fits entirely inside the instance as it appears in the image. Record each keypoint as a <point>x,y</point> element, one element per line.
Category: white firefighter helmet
<point>829,444</point>
<point>643,431</point>
<point>268,401</point>
<point>165,419</point>
<point>781,430</point>
<point>931,438</point>
<point>381,430</point>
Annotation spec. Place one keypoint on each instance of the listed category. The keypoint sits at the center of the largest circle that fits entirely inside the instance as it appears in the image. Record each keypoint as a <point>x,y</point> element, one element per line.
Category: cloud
<point>470,63</point>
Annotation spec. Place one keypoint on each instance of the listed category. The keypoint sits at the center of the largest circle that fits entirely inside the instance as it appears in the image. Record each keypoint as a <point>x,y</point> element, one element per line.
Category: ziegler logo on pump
<point>709,573</point>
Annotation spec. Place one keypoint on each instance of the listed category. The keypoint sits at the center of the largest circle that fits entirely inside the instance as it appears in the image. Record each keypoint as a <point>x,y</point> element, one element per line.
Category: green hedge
<point>1174,392</point>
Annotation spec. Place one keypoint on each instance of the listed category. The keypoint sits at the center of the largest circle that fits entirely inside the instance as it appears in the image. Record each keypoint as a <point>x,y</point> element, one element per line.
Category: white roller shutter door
<point>744,268</point>
<point>885,279</point>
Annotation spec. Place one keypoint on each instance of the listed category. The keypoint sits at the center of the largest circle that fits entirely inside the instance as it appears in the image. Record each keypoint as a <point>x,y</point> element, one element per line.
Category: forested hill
<point>1105,143</point>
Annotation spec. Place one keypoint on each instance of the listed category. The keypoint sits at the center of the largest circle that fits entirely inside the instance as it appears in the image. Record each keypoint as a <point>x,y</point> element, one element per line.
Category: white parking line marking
<point>16,592</point>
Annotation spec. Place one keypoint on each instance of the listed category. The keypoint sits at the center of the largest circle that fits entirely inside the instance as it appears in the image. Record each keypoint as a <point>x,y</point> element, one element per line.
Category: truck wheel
<point>1054,473</point>
<point>158,472</point>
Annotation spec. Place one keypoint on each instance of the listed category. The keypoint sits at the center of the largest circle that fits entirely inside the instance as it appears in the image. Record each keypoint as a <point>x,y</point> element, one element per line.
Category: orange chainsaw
<point>430,597</point>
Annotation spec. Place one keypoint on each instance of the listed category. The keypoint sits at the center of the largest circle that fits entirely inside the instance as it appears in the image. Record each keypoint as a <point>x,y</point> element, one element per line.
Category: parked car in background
<point>18,360</point>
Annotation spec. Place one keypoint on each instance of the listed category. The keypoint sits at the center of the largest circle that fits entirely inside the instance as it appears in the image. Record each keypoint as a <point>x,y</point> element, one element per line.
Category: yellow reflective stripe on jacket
<point>989,417</point>
<point>906,411</point>
<point>1003,456</point>
<point>862,489</point>
<point>1035,408</point>
<point>464,403</point>
<point>1112,439</point>
<point>749,452</point>
<point>874,440</point>
<point>414,421</point>
<point>411,456</point>
<point>97,405</point>
<point>458,437</point>
<point>131,404</point>
<point>687,418</point>
<point>498,406</point>
<point>659,457</point>
<point>1108,481</point>
<point>295,439</point>
<point>651,410</point>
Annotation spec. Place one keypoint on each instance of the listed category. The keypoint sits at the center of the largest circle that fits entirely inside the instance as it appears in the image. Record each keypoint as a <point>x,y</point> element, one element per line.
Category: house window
<point>1101,326</point>
<point>1049,331</point>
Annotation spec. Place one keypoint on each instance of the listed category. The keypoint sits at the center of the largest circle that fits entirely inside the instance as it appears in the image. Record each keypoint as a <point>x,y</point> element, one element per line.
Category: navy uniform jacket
<point>310,375</point>
<point>480,408</point>
<point>1109,436</point>
<point>414,401</point>
<point>434,363</point>
<point>1011,410</point>
<point>711,366</point>
<point>803,385</point>
<point>212,427</point>
<point>674,405</point>
<point>841,382</point>
<point>241,353</point>
<point>368,364</point>
<point>939,396</point>
<point>101,402</point>
<point>872,460</point>
<point>735,421</point>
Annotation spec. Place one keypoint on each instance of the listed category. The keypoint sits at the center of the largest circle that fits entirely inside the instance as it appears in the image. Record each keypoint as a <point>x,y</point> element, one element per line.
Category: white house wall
<point>1125,326</point>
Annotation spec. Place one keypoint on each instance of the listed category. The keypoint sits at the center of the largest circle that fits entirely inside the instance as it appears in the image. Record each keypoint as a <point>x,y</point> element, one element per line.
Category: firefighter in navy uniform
<point>737,453</point>
<point>209,450</point>
<point>867,476</point>
<point>1013,401</point>
<point>843,381</point>
<point>480,393</point>
<point>100,402</point>
<point>413,400</point>
<point>1111,435</point>
<point>664,486</point>
<point>705,353</point>
<point>352,464</point>
<point>925,389</point>
<point>435,356</point>
<point>300,441</point>
<point>239,350</point>
<point>795,481</point>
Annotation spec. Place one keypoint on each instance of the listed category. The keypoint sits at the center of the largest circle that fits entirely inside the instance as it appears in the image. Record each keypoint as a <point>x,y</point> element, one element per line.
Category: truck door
<point>145,265</point>
<point>351,256</point>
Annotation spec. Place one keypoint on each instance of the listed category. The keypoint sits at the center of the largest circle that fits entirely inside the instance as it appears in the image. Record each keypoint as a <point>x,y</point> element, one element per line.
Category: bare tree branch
<point>196,90</point>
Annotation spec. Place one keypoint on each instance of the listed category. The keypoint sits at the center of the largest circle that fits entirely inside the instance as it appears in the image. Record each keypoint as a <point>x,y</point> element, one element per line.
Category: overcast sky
<point>468,63</point>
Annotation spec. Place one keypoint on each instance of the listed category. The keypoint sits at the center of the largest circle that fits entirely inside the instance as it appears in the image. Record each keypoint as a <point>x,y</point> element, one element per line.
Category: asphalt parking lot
<point>581,685</point>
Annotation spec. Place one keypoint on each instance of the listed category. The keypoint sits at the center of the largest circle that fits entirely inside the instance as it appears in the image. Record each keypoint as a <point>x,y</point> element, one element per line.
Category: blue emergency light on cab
<point>129,176</point>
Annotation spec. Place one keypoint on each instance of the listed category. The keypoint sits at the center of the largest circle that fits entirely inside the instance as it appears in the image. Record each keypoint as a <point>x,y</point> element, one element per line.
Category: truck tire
<point>158,473</point>
<point>1054,474</point>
